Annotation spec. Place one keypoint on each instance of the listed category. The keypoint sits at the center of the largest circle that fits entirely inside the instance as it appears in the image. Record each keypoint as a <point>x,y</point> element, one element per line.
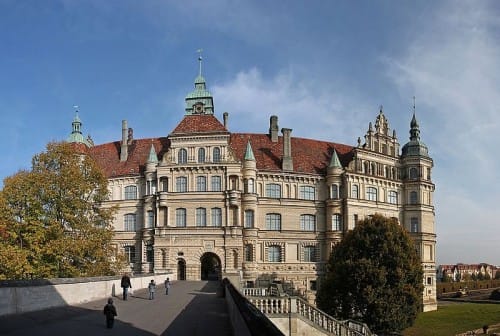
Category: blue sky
<point>324,67</point>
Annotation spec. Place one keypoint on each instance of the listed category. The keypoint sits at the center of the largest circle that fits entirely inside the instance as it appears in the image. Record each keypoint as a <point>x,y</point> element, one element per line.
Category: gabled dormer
<point>379,139</point>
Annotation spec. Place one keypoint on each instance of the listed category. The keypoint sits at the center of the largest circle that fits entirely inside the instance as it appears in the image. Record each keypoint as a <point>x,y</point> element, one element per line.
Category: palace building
<point>204,201</point>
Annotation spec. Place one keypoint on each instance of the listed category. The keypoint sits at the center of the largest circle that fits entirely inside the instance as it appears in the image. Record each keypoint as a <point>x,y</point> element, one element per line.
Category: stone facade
<point>204,201</point>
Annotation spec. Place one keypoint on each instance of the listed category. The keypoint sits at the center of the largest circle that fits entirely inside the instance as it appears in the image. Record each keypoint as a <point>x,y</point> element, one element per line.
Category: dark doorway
<point>210,266</point>
<point>181,269</point>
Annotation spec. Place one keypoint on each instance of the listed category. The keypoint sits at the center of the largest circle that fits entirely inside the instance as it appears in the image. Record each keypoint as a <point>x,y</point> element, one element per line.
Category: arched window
<point>129,222</point>
<point>130,192</point>
<point>201,183</point>
<point>355,191</point>
<point>335,191</point>
<point>216,154</point>
<point>374,168</point>
<point>309,253</point>
<point>181,184</point>
<point>180,217</point>
<point>201,155</point>
<point>274,253</point>
<point>216,217</point>
<point>182,156</point>
<point>201,217</point>
<point>413,173</point>
<point>413,197</point>
<point>250,186</point>
<point>336,222</point>
<point>307,222</point>
<point>273,190</point>
<point>273,222</point>
<point>249,218</point>
<point>371,194</point>
<point>392,197</point>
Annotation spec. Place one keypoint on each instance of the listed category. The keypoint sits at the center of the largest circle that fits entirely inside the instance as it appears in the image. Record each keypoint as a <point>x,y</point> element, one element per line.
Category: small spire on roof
<point>249,152</point>
<point>334,161</point>
<point>152,154</point>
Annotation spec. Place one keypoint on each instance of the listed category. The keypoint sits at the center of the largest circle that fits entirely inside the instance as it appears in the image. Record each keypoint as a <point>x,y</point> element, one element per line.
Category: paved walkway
<point>192,308</point>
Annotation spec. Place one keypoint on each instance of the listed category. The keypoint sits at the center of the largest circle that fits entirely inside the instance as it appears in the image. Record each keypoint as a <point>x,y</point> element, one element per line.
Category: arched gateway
<point>210,266</point>
<point>181,269</point>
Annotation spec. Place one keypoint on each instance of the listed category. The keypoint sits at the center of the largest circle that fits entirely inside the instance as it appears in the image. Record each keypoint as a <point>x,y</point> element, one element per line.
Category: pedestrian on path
<point>125,284</point>
<point>110,313</point>
<point>167,286</point>
<point>151,288</point>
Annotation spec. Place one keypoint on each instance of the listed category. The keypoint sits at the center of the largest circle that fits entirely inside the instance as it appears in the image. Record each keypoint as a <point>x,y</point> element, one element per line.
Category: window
<point>181,184</point>
<point>129,253</point>
<point>180,217</point>
<point>334,191</point>
<point>414,224</point>
<point>201,217</point>
<point>130,192</point>
<point>164,183</point>
<point>250,186</point>
<point>248,251</point>
<point>216,154</point>
<point>307,222</point>
<point>371,194</point>
<point>129,224</point>
<point>201,183</point>
<point>150,187</point>
<point>307,193</point>
<point>149,253</point>
<point>273,190</point>
<point>273,222</point>
<point>429,280</point>
<point>248,219</point>
<point>150,220</point>
<point>313,285</point>
<point>392,197</point>
<point>216,183</point>
<point>182,156</point>
<point>413,197</point>
<point>274,253</point>
<point>336,222</point>
<point>413,173</point>
<point>216,217</point>
<point>309,253</point>
<point>354,191</point>
<point>201,155</point>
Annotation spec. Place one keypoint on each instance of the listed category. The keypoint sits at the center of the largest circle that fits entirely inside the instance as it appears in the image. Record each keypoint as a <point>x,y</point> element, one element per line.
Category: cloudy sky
<point>324,67</point>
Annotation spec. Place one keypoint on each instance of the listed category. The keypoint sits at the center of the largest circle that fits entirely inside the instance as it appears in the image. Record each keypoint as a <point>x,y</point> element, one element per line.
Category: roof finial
<point>76,107</point>
<point>199,51</point>
<point>413,105</point>
<point>381,108</point>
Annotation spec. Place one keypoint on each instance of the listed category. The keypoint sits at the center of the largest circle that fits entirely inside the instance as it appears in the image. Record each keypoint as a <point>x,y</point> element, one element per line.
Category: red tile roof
<point>199,123</point>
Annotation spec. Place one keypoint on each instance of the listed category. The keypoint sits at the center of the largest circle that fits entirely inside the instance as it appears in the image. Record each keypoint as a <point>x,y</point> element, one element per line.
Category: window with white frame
<point>180,217</point>
<point>182,156</point>
<point>273,222</point>
<point>307,222</point>
<point>129,222</point>
<point>216,217</point>
<point>181,184</point>
<point>392,197</point>
<point>309,253</point>
<point>130,192</point>
<point>307,192</point>
<point>216,183</point>
<point>248,251</point>
<point>201,183</point>
<point>216,154</point>
<point>201,155</point>
<point>336,222</point>
<point>355,191</point>
<point>129,253</point>
<point>371,194</point>
<point>201,217</point>
<point>274,253</point>
<point>413,224</point>
<point>334,191</point>
<point>249,218</point>
<point>151,219</point>
<point>413,197</point>
<point>273,190</point>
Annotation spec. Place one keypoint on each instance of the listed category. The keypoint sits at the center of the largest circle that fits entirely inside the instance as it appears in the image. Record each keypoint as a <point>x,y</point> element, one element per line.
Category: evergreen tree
<point>52,220</point>
<point>374,275</point>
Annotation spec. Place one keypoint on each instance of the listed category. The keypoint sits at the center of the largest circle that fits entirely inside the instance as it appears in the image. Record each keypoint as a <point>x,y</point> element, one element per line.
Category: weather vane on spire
<point>199,51</point>
<point>76,107</point>
<point>413,104</point>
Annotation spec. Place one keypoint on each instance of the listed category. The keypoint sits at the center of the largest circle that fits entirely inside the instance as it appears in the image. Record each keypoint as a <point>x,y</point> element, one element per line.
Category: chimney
<point>124,149</point>
<point>225,115</point>
<point>287,163</point>
<point>273,128</point>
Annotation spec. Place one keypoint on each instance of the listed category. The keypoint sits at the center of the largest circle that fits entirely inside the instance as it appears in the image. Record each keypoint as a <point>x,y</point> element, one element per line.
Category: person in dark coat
<point>125,284</point>
<point>167,286</point>
<point>110,313</point>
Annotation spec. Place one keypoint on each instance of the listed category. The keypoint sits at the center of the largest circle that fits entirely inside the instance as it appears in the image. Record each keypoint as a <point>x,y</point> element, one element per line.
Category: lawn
<point>453,319</point>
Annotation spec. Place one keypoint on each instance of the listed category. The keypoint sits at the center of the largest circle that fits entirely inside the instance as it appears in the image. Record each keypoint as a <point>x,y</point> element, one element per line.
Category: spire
<point>414,146</point>
<point>152,158</point>
<point>334,161</point>
<point>76,135</point>
<point>414,128</point>
<point>200,101</point>
<point>249,153</point>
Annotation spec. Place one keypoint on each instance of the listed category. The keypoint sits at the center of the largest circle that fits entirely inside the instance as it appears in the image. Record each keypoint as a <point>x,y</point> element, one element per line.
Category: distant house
<point>464,272</point>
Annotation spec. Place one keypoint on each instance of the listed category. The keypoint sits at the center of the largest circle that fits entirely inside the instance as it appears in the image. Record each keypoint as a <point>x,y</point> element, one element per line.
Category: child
<point>167,286</point>
<point>151,288</point>
<point>110,312</point>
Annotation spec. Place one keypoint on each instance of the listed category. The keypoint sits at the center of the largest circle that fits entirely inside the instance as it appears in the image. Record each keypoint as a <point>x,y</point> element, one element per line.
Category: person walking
<point>167,286</point>
<point>110,312</point>
<point>125,284</point>
<point>151,288</point>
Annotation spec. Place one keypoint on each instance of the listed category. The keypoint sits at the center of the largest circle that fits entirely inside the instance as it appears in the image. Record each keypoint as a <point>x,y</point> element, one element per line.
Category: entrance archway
<point>210,266</point>
<point>181,269</point>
